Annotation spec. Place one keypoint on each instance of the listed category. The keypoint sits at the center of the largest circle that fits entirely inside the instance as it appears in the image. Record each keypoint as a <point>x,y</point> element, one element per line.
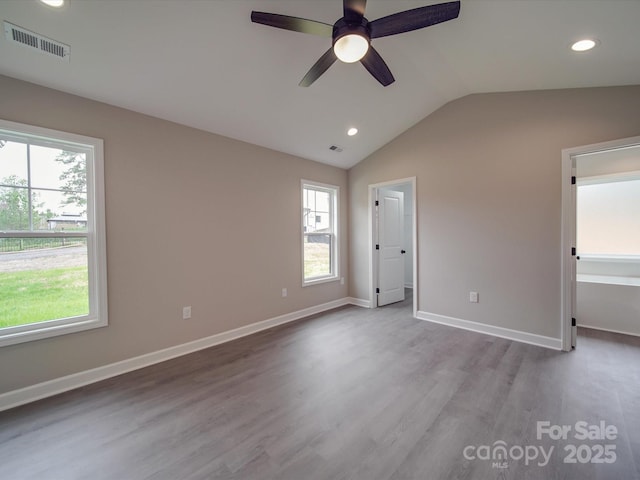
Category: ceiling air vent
<point>33,40</point>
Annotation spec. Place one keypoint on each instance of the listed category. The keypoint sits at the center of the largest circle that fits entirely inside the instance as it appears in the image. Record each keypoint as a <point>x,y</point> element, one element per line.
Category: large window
<point>52,237</point>
<point>608,228</point>
<point>608,215</point>
<point>319,232</point>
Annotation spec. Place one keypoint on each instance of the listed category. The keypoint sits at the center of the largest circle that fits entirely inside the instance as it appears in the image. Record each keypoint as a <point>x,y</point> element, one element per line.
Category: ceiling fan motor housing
<point>342,28</point>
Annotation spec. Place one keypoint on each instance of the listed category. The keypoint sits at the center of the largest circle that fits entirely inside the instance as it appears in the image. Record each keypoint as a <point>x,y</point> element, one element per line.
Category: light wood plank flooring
<point>350,394</point>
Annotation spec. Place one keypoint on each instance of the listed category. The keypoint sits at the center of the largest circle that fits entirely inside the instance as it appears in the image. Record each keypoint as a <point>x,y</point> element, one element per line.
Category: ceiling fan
<point>352,34</point>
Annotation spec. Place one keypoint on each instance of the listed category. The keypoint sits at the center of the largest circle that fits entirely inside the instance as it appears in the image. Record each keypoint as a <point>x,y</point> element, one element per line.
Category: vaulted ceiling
<point>203,63</point>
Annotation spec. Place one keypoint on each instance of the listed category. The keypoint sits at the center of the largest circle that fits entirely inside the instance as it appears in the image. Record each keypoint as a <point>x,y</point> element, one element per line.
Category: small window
<point>52,233</point>
<point>319,232</point>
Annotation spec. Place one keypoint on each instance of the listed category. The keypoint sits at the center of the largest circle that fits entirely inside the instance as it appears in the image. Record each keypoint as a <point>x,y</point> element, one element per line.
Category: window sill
<point>610,258</point>
<point>608,280</point>
<point>54,328</point>
<point>308,283</point>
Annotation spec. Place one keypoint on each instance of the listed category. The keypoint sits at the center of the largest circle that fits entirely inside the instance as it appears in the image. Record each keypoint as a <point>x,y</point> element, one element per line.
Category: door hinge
<point>377,247</point>
<point>377,290</point>
<point>377,203</point>
<point>573,322</point>
<point>573,180</point>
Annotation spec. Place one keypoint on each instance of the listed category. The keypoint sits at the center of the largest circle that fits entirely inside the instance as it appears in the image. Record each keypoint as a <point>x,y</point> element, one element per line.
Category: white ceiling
<point>203,63</point>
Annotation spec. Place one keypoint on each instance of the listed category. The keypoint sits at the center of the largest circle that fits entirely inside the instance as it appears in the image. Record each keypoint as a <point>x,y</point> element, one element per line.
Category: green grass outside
<point>317,260</point>
<point>37,295</point>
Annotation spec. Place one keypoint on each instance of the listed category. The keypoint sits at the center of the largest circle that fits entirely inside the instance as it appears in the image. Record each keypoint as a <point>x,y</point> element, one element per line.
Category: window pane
<point>317,255</point>
<point>42,279</point>
<point>309,199</point>
<point>317,211</point>
<point>14,208</point>
<point>58,169</point>
<point>323,200</point>
<point>13,163</point>
<point>60,211</point>
<point>608,218</point>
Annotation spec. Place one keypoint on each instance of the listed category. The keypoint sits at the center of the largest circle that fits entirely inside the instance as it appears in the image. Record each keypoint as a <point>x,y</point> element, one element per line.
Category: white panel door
<point>391,241</point>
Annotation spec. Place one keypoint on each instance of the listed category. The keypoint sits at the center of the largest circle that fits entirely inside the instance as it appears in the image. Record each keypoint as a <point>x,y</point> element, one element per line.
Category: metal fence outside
<point>8,245</point>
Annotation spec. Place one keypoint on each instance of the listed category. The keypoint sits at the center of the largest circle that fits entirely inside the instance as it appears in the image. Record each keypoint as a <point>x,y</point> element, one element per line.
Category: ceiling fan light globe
<point>351,47</point>
<point>53,3</point>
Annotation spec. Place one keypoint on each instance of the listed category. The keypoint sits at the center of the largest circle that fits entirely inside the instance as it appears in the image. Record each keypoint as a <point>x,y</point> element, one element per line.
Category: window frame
<point>95,234</point>
<point>334,192</point>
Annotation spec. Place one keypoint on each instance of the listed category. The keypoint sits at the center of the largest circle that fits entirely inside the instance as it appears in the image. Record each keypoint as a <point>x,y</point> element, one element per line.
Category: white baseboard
<point>608,330</point>
<point>69,382</point>
<point>517,335</point>
<point>359,302</point>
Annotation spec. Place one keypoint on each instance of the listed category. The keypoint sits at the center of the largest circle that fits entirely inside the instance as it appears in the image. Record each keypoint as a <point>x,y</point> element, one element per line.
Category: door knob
<point>402,251</point>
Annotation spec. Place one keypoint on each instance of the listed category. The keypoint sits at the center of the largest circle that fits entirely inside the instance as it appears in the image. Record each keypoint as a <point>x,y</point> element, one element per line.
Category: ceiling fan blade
<point>292,23</point>
<point>354,10</point>
<point>374,63</point>
<point>414,19</point>
<point>319,68</point>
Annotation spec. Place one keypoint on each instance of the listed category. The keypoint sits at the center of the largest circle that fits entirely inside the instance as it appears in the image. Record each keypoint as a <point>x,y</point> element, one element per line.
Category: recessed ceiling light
<point>583,45</point>
<point>352,131</point>
<point>53,3</point>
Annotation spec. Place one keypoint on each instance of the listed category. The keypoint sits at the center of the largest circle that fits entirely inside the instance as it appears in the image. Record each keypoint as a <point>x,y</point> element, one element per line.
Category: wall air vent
<point>35,41</point>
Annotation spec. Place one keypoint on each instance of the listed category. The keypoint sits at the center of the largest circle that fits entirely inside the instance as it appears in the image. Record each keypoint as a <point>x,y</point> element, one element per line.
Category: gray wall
<point>192,219</point>
<point>488,170</point>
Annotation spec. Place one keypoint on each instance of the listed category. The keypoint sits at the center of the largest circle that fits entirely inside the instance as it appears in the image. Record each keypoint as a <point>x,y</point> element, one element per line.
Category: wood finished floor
<point>350,394</point>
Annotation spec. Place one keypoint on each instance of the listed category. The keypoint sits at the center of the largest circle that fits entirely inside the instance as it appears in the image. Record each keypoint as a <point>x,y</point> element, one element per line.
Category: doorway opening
<point>393,243</point>
<point>600,232</point>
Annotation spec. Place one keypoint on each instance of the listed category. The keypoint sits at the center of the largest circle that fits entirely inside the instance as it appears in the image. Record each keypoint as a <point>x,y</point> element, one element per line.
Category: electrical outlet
<point>473,297</point>
<point>284,292</point>
<point>342,281</point>
<point>186,312</point>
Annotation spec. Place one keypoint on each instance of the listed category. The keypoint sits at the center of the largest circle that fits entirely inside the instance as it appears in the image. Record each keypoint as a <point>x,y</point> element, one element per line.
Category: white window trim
<point>335,267</point>
<point>609,178</point>
<point>96,239</point>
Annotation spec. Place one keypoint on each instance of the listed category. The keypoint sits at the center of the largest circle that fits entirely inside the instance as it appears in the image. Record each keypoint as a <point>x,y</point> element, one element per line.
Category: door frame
<point>373,264</point>
<point>568,228</point>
